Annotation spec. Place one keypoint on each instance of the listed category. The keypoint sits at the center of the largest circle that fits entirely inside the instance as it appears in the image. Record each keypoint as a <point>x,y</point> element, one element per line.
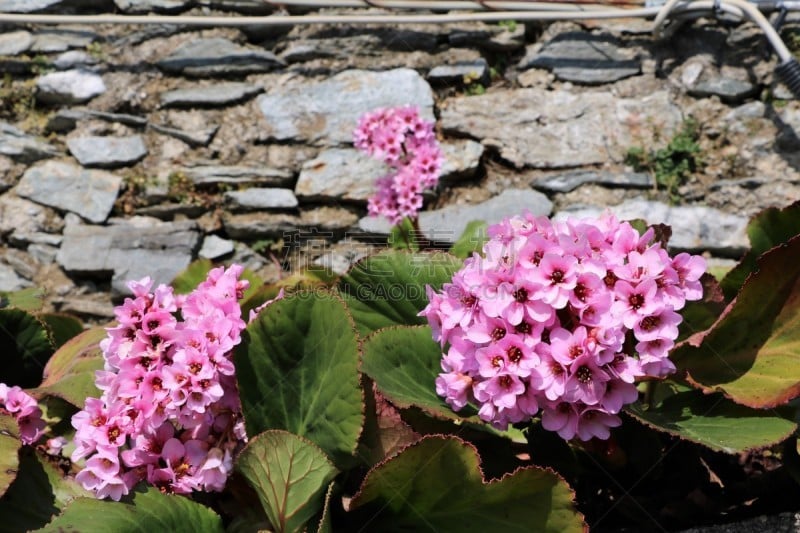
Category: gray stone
<point>86,307</point>
<point>89,193</point>
<point>326,112</point>
<point>21,219</point>
<point>215,247</point>
<point>752,182</point>
<point>340,257</point>
<point>238,175</point>
<point>146,6</point>
<point>326,220</point>
<point>247,257</point>
<point>51,40</point>
<point>69,87</point>
<point>65,120</point>
<point>107,152</point>
<point>694,228</point>
<point>572,180</point>
<point>170,210</point>
<point>221,94</point>
<point>193,138</point>
<point>461,160</point>
<point>256,198</point>
<point>460,73</point>
<point>489,36</point>
<point>447,224</point>
<point>218,57</point>
<point>27,6</point>
<point>560,129</point>
<point>73,59</point>
<point>728,89</point>
<point>585,58</point>
<point>44,254</point>
<point>22,148</point>
<point>22,263</point>
<point>247,7</point>
<point>129,250</point>
<point>15,42</point>
<point>10,280</point>
<point>339,174</point>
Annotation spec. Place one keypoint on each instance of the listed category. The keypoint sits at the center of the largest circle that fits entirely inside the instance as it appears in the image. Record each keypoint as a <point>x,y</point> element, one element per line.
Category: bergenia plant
<point>170,411</point>
<point>560,318</point>
<point>407,144</point>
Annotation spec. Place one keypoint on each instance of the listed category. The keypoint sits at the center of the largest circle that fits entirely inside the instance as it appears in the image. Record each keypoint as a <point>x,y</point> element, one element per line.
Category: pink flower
<point>549,316</point>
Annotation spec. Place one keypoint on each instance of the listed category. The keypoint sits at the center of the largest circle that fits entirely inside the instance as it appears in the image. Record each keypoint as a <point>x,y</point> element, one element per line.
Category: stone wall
<point>131,151</point>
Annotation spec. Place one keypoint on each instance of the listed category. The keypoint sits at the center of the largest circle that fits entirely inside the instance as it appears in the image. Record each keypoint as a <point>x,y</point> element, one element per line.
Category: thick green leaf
<point>388,289</point>
<point>714,421</point>
<point>9,451</point>
<point>472,240</point>
<point>297,368</point>
<point>69,374</point>
<point>437,485</point>
<point>40,491</point>
<point>62,327</point>
<point>25,347</point>
<point>148,511</point>
<point>752,352</point>
<point>403,362</point>
<point>771,227</point>
<point>197,271</point>
<point>290,475</point>
<point>27,299</point>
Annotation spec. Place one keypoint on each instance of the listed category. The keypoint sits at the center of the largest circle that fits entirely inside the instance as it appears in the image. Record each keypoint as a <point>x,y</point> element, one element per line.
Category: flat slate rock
<point>23,148</point>
<point>21,220</point>
<point>27,6</point>
<point>107,152</point>
<point>447,224</point>
<point>572,180</point>
<point>560,129</point>
<point>238,175</point>
<point>585,58</point>
<point>325,220</point>
<point>220,94</point>
<point>59,39</point>
<point>129,250</point>
<point>339,174</point>
<point>72,59</point>
<point>694,228</point>
<point>459,74</point>
<point>218,57</point>
<point>256,198</point>
<point>15,42</point>
<point>215,247</point>
<point>199,137</point>
<point>88,193</point>
<point>326,112</point>
<point>728,89</point>
<point>461,160</point>
<point>146,6</point>
<point>69,87</point>
<point>10,280</point>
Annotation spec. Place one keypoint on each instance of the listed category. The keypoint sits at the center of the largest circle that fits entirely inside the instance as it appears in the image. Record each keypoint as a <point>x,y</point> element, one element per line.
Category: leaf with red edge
<point>385,432</point>
<point>69,374</point>
<point>752,353</point>
<point>9,451</point>
<point>290,475</point>
<point>436,484</point>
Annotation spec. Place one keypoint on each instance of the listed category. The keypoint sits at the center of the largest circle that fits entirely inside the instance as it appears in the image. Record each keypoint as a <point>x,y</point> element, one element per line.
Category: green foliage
<point>404,362</point>
<point>510,25</point>
<point>714,421</point>
<point>27,299</point>
<point>9,449</point>
<point>291,476</point>
<point>473,88</point>
<point>472,240</point>
<point>388,288</point>
<point>437,485</point>
<point>146,512</point>
<point>404,236</point>
<point>297,367</point>
<point>672,164</point>
<point>25,347</point>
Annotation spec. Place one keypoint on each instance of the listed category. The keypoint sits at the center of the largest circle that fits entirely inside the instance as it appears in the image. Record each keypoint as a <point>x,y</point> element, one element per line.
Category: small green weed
<point>672,164</point>
<point>510,25</point>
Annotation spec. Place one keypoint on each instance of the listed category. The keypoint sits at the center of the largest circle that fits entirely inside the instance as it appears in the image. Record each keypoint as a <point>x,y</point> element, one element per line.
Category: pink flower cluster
<point>560,318</point>
<point>403,140</point>
<point>25,410</point>
<point>170,411</point>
